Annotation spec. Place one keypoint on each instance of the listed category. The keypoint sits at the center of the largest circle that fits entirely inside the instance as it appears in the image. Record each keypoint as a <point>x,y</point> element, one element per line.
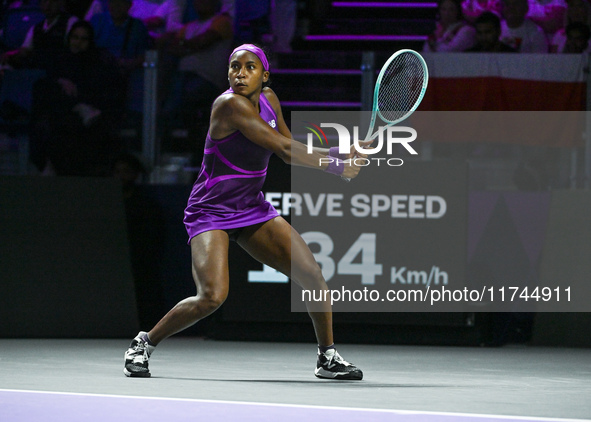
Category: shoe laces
<point>140,350</point>
<point>335,357</point>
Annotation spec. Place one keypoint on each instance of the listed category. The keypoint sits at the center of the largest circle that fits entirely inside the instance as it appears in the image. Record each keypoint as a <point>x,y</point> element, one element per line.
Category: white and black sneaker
<point>137,356</point>
<point>331,365</point>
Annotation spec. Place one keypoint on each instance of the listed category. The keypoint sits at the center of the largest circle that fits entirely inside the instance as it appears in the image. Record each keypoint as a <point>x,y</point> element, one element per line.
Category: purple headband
<point>255,50</point>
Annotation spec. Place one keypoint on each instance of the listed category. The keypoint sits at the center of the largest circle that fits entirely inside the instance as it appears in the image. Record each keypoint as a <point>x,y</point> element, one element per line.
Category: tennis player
<point>226,203</point>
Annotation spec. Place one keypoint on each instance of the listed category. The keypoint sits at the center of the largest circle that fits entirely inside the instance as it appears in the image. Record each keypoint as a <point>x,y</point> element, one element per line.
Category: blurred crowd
<point>525,26</point>
<point>92,55</point>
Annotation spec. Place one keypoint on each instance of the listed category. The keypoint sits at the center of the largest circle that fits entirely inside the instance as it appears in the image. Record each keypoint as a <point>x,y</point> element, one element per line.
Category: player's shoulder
<point>272,98</point>
<point>269,93</point>
<point>229,99</point>
<point>231,104</point>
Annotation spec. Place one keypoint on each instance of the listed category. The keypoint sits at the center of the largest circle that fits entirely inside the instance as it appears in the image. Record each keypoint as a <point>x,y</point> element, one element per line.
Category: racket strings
<point>401,87</point>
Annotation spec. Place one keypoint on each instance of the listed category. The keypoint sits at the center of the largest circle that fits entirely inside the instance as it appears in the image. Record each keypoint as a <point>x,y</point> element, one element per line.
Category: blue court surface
<point>195,379</point>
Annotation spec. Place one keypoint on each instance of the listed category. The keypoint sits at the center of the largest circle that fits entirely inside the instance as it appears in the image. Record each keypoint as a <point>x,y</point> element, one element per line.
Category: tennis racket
<point>399,89</point>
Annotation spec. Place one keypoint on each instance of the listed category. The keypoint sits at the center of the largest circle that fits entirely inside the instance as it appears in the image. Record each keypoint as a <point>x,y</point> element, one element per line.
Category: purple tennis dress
<point>227,193</point>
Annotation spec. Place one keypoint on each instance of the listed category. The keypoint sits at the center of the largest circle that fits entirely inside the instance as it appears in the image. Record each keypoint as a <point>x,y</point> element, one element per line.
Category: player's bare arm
<point>234,112</point>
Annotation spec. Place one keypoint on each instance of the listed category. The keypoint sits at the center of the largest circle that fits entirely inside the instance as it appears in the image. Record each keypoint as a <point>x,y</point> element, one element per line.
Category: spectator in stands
<point>577,38</point>
<point>16,18</point>
<point>474,8</point>
<point>283,20</point>
<point>518,31</point>
<point>144,9</point>
<point>202,46</point>
<point>16,4</point>
<point>127,39</point>
<point>84,9</point>
<point>452,32</point>
<point>124,37</point>
<point>76,109</point>
<point>159,16</point>
<point>577,11</point>
<point>45,40</point>
<point>228,6</point>
<point>547,14</point>
<point>488,33</point>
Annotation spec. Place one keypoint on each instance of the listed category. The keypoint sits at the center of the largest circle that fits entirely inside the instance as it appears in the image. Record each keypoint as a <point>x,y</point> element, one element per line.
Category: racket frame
<point>376,109</point>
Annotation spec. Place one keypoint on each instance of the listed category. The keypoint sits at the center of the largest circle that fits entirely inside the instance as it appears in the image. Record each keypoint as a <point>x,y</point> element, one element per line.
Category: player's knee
<point>314,271</point>
<point>316,274</point>
<point>213,299</point>
<point>310,276</point>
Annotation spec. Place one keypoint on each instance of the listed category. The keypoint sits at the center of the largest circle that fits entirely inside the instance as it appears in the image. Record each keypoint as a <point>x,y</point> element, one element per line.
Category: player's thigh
<point>209,259</point>
<point>278,245</point>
